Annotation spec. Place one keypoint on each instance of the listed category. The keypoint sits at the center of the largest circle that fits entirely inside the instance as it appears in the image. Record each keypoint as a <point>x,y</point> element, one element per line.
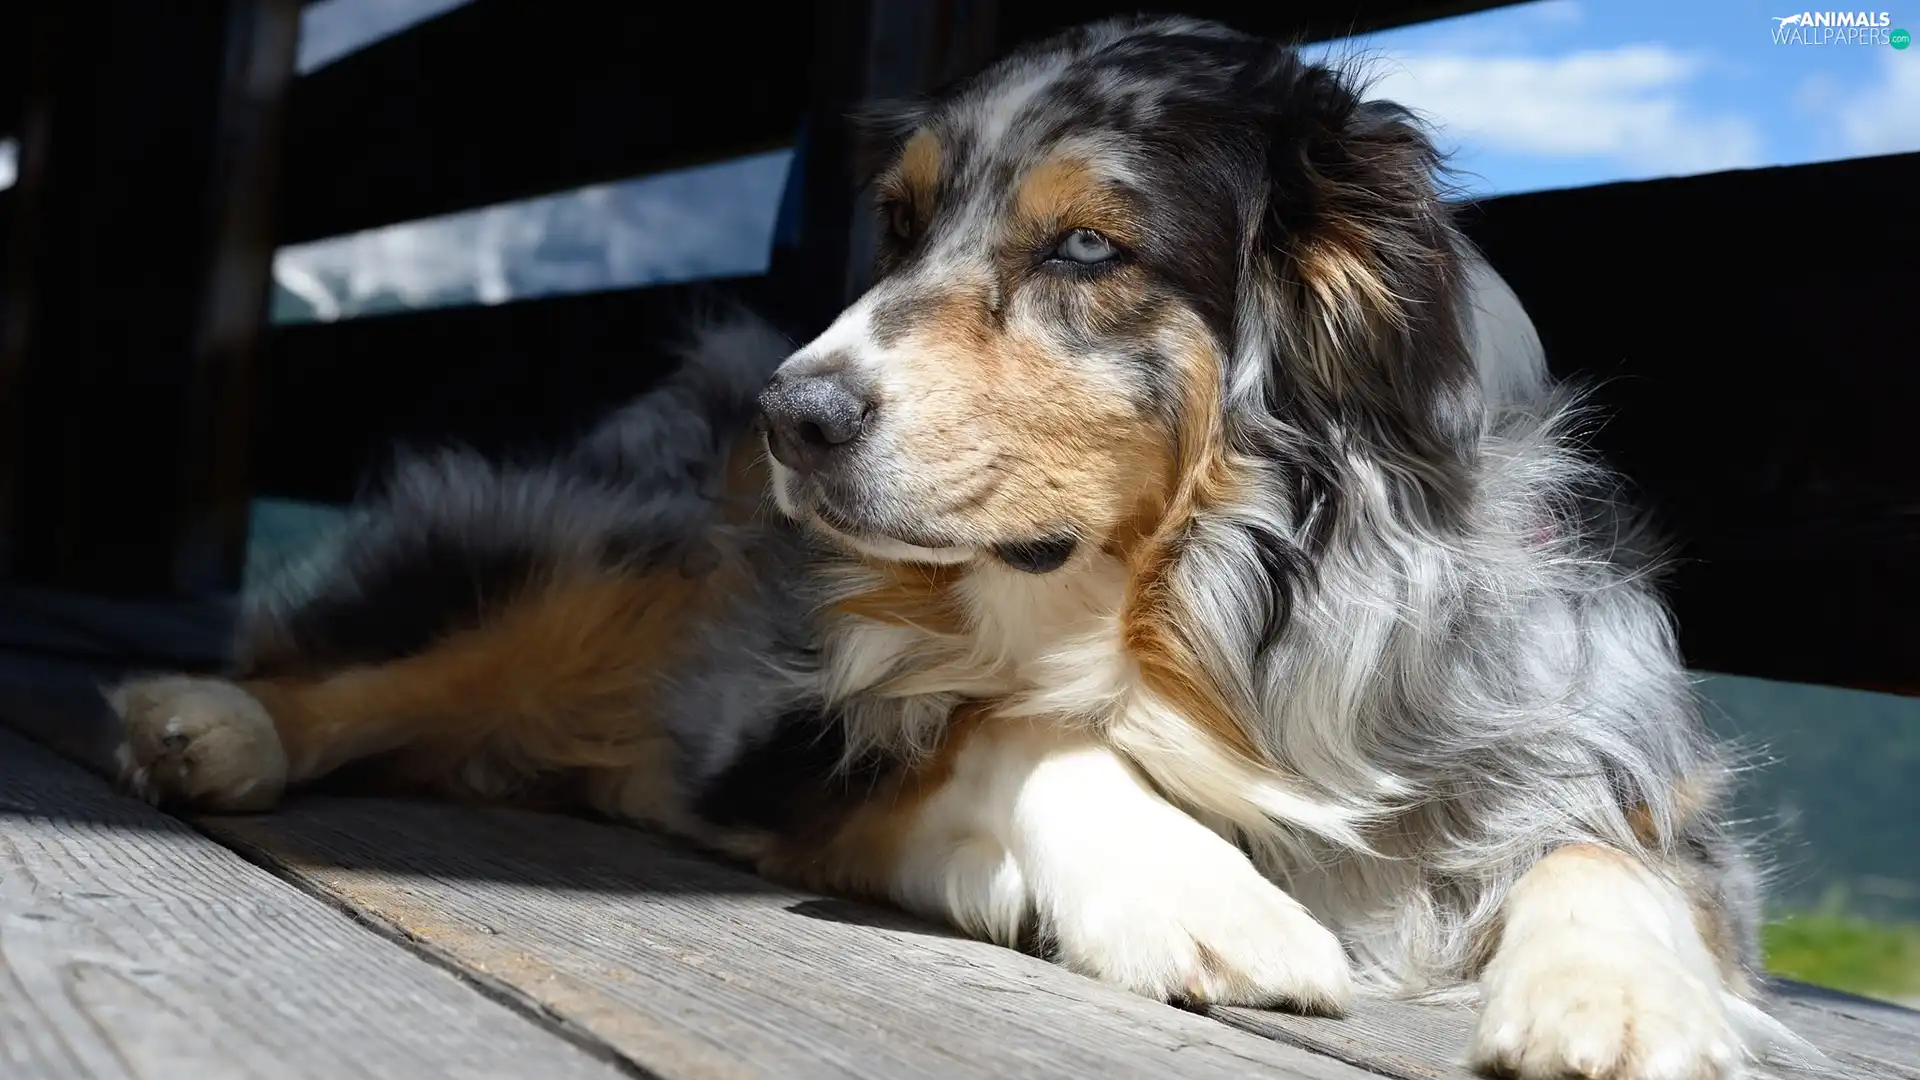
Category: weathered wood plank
<point>691,968</point>
<point>1863,1039</point>
<point>132,946</point>
<point>1868,1039</point>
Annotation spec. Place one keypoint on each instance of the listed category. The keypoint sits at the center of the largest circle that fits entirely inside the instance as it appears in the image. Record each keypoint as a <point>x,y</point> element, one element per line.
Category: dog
<point>1179,564</point>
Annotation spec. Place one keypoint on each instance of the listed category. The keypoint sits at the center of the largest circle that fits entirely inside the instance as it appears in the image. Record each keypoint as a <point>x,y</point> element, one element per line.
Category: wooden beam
<point>14,64</point>
<point>499,100</point>
<point>1316,21</point>
<point>137,279</point>
<point>340,397</point>
<point>1754,360</point>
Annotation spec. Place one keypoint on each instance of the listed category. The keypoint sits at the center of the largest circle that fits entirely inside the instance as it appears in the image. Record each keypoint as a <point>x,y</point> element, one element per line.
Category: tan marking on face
<point>1028,441</point>
<point>919,167</point>
<point>913,182</point>
<point>1065,193</point>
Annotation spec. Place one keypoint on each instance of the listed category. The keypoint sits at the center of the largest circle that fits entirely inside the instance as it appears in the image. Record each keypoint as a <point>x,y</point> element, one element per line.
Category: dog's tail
<point>682,431</point>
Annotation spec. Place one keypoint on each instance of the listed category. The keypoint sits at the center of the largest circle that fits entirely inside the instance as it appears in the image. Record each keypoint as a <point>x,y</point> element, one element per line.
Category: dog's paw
<point>1604,1006</point>
<point>197,742</point>
<point>1203,928</point>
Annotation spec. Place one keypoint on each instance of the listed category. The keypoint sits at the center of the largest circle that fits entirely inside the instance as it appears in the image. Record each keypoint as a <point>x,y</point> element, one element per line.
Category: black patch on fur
<point>403,598</point>
<point>1361,175</point>
<point>1037,556</point>
<point>791,783</point>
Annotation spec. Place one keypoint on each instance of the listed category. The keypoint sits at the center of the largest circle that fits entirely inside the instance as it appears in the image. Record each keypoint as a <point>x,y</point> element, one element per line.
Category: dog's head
<point>1122,275</point>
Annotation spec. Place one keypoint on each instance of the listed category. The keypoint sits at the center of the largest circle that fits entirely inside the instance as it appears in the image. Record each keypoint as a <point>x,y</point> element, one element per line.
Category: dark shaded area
<point>791,783</point>
<point>1297,21</point>
<point>339,398</point>
<point>503,99</point>
<point>136,288</point>
<point>1750,334</point>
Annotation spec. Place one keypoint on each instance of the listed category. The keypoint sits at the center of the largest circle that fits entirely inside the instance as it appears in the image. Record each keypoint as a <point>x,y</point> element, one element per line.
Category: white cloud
<point>1558,12</point>
<point>1525,28</point>
<point>1885,118</point>
<point>1626,105</point>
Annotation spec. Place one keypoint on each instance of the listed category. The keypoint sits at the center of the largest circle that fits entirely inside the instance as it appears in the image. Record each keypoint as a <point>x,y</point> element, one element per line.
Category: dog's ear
<point>1360,259</point>
<point>878,130</point>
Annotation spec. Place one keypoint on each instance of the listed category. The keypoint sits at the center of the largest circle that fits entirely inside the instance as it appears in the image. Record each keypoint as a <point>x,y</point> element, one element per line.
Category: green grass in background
<point>1844,952</point>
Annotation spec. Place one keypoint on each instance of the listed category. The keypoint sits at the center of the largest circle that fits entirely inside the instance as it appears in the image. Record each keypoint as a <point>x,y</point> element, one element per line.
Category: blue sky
<point>1565,93</point>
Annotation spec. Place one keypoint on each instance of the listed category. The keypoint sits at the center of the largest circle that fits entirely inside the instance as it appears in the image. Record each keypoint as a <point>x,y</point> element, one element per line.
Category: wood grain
<point>1863,1040</point>
<point>693,969</point>
<point>133,947</point>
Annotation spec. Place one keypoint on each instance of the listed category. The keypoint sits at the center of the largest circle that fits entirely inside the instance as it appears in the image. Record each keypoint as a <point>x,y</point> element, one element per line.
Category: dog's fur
<point>1229,619</point>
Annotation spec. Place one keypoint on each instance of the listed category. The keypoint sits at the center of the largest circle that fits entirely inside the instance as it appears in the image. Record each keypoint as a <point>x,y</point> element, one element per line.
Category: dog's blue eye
<point>1086,247</point>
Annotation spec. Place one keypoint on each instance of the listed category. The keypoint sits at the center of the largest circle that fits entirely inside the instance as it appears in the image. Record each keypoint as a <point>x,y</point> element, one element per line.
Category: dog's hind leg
<point>480,627</point>
<point>560,677</point>
<point>472,656</point>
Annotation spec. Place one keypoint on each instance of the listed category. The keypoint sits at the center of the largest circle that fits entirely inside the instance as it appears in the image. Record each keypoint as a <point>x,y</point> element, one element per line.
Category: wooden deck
<point>375,938</point>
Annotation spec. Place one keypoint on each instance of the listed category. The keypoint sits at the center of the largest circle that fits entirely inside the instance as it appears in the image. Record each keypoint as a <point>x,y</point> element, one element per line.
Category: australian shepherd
<point>1170,565</point>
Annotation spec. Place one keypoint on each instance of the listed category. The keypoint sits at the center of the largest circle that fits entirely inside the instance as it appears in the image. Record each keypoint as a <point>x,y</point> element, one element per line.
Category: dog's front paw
<point>1203,928</point>
<point>199,742</point>
<point>1608,1006</point>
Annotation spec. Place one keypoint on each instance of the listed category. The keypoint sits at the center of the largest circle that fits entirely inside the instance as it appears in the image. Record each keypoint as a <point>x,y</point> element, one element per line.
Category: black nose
<point>811,416</point>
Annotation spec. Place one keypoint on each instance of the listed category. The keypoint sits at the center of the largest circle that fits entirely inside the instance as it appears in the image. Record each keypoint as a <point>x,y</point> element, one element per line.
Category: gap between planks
<point>132,946</point>
<point>690,967</point>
